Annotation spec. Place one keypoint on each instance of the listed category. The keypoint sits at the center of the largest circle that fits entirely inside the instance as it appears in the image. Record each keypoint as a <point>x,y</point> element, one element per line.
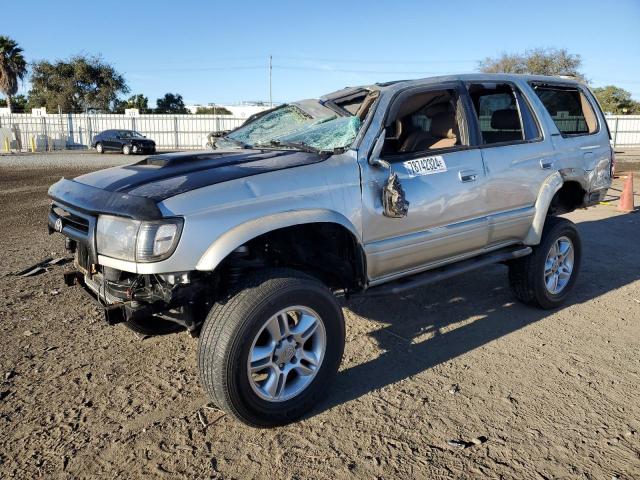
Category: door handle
<point>546,164</point>
<point>468,176</point>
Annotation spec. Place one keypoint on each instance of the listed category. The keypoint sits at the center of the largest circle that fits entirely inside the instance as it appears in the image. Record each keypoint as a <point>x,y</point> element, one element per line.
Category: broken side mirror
<point>394,202</point>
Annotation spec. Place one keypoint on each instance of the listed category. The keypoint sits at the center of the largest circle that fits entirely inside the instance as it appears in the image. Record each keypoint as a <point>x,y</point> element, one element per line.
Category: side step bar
<point>432,276</point>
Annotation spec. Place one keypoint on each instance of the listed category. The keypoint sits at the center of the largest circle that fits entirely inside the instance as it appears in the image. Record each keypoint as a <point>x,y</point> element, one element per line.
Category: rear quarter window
<point>569,109</point>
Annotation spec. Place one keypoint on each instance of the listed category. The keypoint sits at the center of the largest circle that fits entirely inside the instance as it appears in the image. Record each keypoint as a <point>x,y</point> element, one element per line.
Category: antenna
<point>270,69</point>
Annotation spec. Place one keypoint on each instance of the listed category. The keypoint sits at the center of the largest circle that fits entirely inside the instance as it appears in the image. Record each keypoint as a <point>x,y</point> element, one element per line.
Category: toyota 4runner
<point>369,190</point>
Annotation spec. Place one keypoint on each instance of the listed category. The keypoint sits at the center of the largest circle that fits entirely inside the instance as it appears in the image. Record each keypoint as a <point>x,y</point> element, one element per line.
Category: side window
<point>569,108</point>
<point>425,122</point>
<point>503,115</point>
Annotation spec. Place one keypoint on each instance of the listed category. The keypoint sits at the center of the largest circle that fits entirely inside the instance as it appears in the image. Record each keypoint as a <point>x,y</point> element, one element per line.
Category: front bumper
<point>143,148</point>
<point>115,310</point>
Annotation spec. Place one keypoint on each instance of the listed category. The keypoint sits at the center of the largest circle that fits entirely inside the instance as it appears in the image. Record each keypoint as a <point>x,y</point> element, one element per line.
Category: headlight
<point>135,240</point>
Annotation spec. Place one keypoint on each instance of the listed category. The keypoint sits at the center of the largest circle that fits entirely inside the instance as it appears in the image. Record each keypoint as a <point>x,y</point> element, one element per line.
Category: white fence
<point>75,131</point>
<point>625,130</point>
<point>22,131</point>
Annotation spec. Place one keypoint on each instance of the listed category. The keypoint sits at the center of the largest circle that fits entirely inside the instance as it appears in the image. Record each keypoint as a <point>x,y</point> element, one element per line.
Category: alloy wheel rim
<point>559,265</point>
<point>286,354</point>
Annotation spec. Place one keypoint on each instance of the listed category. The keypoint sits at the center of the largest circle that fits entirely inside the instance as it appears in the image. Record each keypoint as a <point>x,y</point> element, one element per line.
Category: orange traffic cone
<point>626,199</point>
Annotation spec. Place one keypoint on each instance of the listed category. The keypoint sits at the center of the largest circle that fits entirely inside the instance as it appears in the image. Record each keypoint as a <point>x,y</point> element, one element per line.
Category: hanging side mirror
<point>394,202</point>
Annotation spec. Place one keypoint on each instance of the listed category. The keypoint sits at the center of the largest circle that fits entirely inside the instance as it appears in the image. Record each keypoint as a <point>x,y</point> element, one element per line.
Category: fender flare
<point>242,233</point>
<point>549,188</point>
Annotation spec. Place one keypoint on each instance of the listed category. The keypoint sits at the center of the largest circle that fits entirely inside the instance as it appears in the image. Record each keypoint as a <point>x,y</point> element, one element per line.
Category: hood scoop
<point>169,160</point>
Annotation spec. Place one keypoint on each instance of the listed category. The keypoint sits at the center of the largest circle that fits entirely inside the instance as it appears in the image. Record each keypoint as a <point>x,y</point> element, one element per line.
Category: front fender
<point>251,229</point>
<point>551,185</point>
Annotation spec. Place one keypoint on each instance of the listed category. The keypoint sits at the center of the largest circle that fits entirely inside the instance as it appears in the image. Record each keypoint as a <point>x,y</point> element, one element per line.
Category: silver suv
<point>366,191</point>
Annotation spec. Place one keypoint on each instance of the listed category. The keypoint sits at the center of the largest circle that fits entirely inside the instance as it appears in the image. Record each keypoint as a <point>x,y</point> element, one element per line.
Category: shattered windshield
<point>292,128</point>
<point>271,125</point>
<point>325,136</point>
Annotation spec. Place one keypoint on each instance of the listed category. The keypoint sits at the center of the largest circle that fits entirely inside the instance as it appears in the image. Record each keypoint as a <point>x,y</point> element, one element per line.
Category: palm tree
<point>12,67</point>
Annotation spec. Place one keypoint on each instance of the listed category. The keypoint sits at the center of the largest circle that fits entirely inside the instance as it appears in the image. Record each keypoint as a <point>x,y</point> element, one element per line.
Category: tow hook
<point>114,314</point>
<point>71,278</point>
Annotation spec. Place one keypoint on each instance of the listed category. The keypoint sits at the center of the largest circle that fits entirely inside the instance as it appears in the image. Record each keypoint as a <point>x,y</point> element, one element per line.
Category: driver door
<point>427,146</point>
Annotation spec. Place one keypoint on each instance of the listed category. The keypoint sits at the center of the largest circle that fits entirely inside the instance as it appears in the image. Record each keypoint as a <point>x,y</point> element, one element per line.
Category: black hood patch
<point>162,176</point>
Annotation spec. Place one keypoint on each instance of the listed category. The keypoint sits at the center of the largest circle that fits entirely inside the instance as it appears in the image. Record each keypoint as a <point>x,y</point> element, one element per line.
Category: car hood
<point>162,176</point>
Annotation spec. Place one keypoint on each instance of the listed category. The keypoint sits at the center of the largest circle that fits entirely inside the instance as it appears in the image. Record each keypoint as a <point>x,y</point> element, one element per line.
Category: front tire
<point>99,148</point>
<point>268,354</point>
<point>546,277</point>
<point>126,150</point>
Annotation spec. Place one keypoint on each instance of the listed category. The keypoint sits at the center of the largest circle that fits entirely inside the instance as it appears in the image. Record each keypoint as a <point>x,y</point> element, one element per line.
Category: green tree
<point>539,61</point>
<point>75,85</point>
<point>18,103</point>
<point>616,100</point>
<point>171,103</point>
<point>138,101</point>
<point>213,110</point>
<point>13,67</point>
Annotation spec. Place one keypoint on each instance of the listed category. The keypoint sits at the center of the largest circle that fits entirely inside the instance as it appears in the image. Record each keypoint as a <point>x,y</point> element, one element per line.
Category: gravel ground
<point>544,394</point>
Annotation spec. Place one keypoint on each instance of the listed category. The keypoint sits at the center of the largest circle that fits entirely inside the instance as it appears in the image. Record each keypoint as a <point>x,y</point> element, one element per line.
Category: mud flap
<point>393,198</point>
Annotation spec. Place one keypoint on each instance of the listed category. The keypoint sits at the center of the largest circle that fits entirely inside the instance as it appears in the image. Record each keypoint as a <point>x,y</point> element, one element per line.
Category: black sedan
<point>125,141</point>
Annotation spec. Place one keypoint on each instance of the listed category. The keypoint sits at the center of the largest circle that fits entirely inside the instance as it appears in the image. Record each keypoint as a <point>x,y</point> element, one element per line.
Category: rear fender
<point>551,185</point>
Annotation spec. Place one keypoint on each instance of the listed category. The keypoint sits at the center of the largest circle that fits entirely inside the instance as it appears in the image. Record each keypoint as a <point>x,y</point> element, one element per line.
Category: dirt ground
<point>545,394</point>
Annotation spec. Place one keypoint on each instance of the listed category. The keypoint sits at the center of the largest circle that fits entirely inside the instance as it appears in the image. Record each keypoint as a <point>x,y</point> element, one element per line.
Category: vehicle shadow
<point>437,323</point>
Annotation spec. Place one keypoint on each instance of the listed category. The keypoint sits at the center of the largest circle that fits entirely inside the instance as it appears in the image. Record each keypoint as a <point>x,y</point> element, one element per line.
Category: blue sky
<point>218,51</point>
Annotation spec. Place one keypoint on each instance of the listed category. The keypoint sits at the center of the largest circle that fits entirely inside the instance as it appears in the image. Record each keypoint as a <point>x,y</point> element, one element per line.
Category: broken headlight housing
<point>135,240</point>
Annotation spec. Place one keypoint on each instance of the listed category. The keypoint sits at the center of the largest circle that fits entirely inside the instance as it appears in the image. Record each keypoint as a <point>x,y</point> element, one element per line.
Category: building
<point>238,110</point>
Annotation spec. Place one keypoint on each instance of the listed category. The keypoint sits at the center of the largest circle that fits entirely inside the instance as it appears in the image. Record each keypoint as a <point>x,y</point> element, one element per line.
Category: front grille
<point>78,223</point>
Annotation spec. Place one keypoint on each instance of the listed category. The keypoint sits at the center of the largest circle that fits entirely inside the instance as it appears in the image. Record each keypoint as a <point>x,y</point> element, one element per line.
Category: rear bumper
<point>595,197</point>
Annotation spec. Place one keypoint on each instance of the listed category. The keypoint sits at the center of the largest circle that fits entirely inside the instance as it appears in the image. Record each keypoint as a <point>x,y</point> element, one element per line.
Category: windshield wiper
<point>296,145</point>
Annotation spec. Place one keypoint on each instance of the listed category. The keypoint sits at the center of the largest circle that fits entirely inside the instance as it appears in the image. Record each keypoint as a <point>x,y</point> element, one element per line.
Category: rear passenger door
<point>516,158</point>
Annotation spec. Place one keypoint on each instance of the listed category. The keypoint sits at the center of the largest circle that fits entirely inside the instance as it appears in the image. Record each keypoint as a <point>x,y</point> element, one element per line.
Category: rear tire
<point>235,334</point>
<point>99,148</point>
<point>530,277</point>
